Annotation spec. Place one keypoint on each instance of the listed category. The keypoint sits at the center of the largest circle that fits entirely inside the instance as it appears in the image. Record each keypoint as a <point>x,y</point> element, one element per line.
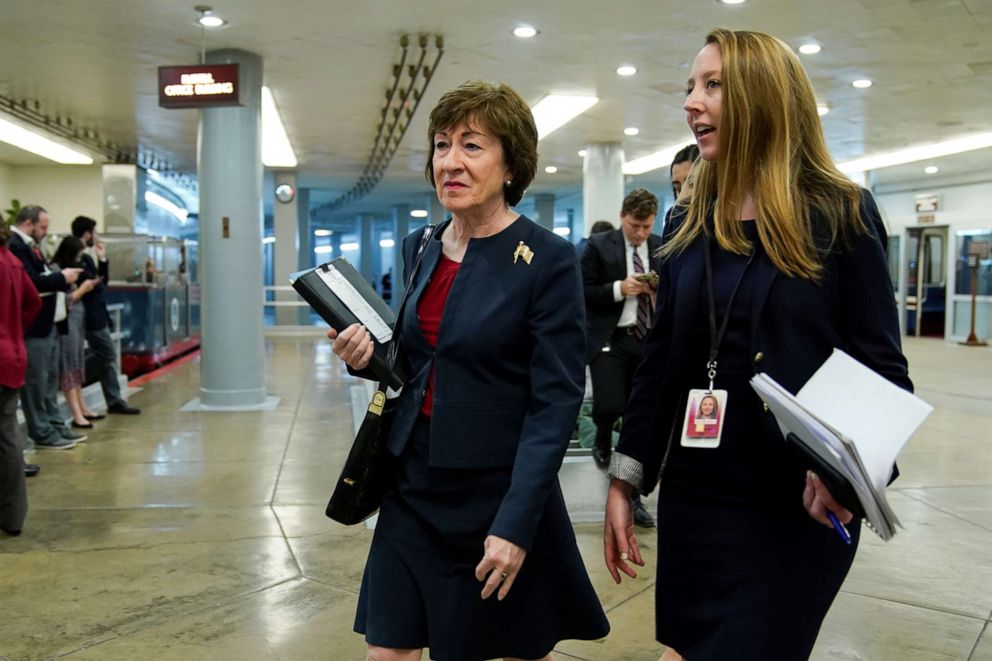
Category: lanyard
<point>716,337</point>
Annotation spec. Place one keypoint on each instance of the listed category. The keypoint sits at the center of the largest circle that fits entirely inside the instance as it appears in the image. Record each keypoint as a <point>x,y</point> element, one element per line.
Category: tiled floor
<point>201,535</point>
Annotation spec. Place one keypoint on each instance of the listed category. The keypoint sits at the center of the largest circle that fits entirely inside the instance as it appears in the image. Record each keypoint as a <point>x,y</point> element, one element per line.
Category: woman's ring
<point>502,577</point>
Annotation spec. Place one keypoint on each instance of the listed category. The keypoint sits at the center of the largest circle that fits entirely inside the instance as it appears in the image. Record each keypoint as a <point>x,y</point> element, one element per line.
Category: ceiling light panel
<point>277,151</point>
<point>626,70</point>
<point>659,159</point>
<point>917,153</point>
<point>525,31</point>
<point>556,110</point>
<point>810,49</point>
<point>35,142</point>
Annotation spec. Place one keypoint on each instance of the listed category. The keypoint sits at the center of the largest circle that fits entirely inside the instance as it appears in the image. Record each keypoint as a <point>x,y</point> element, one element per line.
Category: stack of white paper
<point>856,421</point>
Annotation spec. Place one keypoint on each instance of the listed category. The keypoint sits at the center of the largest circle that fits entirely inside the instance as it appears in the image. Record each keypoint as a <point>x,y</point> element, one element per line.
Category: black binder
<point>838,485</point>
<point>318,294</point>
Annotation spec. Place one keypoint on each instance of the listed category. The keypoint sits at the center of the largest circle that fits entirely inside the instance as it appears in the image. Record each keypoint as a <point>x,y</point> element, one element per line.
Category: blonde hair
<point>771,144</point>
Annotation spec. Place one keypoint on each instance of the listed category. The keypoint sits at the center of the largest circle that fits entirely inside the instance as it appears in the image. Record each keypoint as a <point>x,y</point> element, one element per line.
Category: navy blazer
<point>795,325</point>
<point>52,282</point>
<point>97,317</point>
<point>509,373</point>
<point>604,261</point>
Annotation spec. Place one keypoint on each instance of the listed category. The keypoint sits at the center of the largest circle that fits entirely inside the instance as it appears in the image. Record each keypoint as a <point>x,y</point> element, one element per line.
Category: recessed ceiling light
<point>810,49</point>
<point>931,169</point>
<point>419,213</point>
<point>582,153</point>
<point>208,18</point>
<point>861,84</point>
<point>626,70</point>
<point>269,239</point>
<point>822,109</point>
<point>551,169</point>
<point>323,250</point>
<point>732,2</point>
<point>631,130</point>
<point>322,232</point>
<point>525,31</point>
<point>386,243</point>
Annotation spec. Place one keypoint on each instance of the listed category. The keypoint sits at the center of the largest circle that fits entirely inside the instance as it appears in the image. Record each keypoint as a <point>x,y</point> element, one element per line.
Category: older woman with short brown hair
<point>474,555</point>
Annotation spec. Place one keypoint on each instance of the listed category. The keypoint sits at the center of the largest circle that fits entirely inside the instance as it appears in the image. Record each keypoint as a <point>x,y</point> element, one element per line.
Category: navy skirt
<point>419,589</point>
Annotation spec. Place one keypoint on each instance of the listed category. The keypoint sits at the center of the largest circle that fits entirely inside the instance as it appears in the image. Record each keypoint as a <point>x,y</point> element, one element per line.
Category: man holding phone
<point>620,277</point>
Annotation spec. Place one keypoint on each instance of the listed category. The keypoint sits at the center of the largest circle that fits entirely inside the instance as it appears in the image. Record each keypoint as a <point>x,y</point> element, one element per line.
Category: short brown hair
<point>500,110</point>
<point>640,203</point>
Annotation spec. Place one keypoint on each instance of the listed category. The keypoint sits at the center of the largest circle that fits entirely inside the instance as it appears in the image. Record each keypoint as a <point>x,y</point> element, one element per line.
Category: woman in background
<point>72,360</point>
<point>775,258</point>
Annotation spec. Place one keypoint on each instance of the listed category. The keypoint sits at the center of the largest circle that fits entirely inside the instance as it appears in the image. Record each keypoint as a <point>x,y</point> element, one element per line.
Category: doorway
<point>926,281</point>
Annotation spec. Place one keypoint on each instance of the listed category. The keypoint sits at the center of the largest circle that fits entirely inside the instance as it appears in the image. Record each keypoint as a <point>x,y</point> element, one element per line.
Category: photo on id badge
<point>704,413</point>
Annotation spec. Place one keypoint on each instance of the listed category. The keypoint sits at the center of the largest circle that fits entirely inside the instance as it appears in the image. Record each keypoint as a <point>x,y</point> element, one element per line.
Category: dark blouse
<point>429,312</point>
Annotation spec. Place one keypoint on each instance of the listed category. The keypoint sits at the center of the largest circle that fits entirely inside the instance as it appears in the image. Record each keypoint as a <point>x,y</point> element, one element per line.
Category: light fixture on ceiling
<point>659,159</point>
<point>917,153</point>
<point>551,169</point>
<point>386,243</point>
<point>277,151</point>
<point>631,130</point>
<point>556,110</point>
<point>208,18</point>
<point>349,246</point>
<point>931,169</point>
<point>822,109</point>
<point>323,250</point>
<point>15,134</point>
<point>582,153</point>
<point>322,232</point>
<point>269,239</point>
<point>562,231</point>
<point>419,213</point>
<point>861,83</point>
<point>626,70</point>
<point>168,206</point>
<point>732,2</point>
<point>810,49</point>
<point>153,172</point>
<point>525,31</point>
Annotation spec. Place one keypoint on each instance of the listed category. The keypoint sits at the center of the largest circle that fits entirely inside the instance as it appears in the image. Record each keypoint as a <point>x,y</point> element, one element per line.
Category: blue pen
<point>839,527</point>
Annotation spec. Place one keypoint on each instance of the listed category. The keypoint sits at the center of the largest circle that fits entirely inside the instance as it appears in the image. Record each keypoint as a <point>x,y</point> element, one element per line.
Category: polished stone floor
<point>183,535</point>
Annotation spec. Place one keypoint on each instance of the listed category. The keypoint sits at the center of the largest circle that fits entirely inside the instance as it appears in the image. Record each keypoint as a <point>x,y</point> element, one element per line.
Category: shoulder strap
<point>393,350</point>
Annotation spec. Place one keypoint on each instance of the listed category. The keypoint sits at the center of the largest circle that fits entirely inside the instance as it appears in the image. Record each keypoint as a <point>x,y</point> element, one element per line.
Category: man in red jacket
<point>19,303</point>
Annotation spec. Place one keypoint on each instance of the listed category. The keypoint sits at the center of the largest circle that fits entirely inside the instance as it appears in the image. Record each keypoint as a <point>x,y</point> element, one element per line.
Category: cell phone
<point>650,279</point>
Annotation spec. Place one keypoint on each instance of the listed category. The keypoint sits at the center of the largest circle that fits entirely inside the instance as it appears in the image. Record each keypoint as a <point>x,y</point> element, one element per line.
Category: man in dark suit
<point>39,396</point>
<point>97,320</point>
<point>619,310</point>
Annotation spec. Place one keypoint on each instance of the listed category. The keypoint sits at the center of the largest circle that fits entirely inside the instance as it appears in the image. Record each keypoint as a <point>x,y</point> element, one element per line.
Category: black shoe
<point>12,533</point>
<point>641,516</point>
<point>30,470</point>
<point>95,416</point>
<point>601,457</point>
<point>123,409</point>
<point>88,425</point>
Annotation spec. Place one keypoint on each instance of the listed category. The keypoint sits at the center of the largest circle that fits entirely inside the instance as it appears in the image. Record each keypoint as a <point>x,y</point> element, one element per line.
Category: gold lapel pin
<point>523,251</point>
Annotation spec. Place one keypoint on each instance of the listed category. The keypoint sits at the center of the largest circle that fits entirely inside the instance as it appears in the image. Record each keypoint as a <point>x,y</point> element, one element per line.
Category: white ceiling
<point>328,64</point>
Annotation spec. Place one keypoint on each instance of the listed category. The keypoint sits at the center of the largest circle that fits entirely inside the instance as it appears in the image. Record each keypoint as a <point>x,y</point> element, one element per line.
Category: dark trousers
<point>612,373</point>
<point>39,396</point>
<point>106,364</point>
<point>13,490</point>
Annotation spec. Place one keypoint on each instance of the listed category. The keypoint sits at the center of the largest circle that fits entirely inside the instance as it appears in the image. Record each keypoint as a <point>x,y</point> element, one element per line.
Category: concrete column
<point>285,223</point>
<point>232,367</point>
<point>544,210</point>
<point>304,233</point>
<point>602,183</point>
<point>368,245</point>
<point>401,227</point>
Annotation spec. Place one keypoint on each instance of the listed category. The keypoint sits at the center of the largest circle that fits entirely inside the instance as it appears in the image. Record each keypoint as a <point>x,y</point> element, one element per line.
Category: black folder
<point>333,310</point>
<point>838,485</point>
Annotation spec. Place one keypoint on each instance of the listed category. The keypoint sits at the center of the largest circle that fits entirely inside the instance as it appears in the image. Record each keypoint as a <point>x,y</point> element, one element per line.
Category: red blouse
<point>429,312</point>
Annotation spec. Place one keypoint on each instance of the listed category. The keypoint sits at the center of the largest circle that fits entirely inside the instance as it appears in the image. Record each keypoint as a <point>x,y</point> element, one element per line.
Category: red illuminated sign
<point>198,85</point>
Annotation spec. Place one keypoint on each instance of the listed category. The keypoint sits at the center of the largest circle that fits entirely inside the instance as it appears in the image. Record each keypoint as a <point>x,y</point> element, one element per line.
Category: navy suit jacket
<point>52,282</point>
<point>795,325</point>
<point>604,261</point>
<point>97,316</point>
<point>509,370</point>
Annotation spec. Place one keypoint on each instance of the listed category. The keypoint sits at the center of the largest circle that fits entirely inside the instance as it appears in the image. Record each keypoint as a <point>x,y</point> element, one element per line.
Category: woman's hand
<point>619,541</point>
<point>817,501</point>
<point>353,345</point>
<point>500,564</point>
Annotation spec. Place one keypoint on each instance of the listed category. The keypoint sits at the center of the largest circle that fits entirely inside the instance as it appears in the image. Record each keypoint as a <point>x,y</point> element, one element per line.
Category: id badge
<point>704,414</point>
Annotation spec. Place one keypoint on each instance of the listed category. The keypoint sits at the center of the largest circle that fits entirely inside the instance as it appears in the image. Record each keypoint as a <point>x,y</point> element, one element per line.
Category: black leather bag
<point>369,468</point>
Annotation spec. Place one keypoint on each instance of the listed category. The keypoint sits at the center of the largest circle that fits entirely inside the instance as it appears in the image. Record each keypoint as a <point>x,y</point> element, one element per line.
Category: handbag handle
<point>394,344</point>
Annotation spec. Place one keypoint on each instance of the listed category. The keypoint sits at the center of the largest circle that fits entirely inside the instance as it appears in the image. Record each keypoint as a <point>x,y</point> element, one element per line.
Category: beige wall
<point>66,191</point>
